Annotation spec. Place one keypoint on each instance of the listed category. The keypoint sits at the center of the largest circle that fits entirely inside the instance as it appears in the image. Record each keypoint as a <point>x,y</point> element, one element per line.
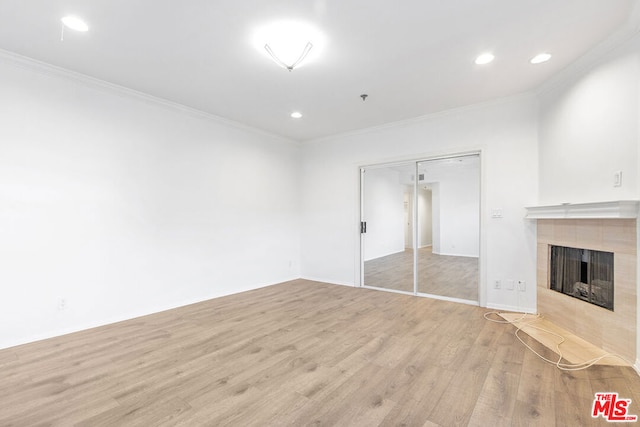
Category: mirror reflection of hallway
<point>440,229</point>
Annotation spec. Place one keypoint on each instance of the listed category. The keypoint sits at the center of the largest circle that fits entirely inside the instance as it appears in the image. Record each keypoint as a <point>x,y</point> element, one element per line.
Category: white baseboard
<point>502,307</point>
<point>101,322</point>
<point>457,255</point>
<point>386,254</point>
<point>131,315</point>
<point>636,367</point>
<point>329,281</point>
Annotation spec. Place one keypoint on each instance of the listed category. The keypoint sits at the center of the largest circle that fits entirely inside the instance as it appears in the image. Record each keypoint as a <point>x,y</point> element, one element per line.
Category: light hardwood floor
<point>448,276</point>
<point>300,353</point>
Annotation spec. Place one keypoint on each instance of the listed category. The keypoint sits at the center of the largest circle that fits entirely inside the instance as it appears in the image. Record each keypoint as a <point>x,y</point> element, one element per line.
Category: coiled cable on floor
<point>520,323</point>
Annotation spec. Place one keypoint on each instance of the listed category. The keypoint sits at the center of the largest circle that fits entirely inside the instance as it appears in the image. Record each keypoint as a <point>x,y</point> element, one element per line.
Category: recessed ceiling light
<point>542,57</point>
<point>75,23</point>
<point>485,58</point>
<point>296,115</point>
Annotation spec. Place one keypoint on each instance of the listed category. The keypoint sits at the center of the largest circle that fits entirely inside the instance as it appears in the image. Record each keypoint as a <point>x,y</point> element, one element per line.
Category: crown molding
<point>438,115</point>
<point>59,72</point>
<point>596,55</point>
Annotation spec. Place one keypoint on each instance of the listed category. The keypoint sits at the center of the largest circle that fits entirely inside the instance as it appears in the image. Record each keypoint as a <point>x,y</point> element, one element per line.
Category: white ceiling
<point>412,57</point>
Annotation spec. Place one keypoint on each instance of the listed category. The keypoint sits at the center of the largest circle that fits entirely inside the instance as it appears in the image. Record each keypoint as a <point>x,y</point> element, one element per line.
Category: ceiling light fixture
<point>540,58</point>
<point>75,23</point>
<point>485,58</point>
<point>289,43</point>
<point>296,115</point>
<point>278,61</point>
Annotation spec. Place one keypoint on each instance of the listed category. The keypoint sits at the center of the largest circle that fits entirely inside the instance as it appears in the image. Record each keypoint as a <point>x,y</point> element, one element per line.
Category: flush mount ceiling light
<point>542,57</point>
<point>289,43</point>
<point>485,58</point>
<point>296,115</point>
<point>75,23</point>
<point>286,65</point>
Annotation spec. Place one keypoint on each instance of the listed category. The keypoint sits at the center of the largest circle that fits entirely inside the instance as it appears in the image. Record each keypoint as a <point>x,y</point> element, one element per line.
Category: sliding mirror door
<point>448,227</point>
<point>421,227</point>
<point>387,215</point>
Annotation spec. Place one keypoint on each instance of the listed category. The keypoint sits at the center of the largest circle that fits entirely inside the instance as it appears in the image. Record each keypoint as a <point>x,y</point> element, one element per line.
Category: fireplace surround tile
<point>612,331</point>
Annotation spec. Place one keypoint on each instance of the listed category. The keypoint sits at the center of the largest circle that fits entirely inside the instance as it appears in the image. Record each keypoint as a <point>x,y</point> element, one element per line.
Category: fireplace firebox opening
<point>582,273</point>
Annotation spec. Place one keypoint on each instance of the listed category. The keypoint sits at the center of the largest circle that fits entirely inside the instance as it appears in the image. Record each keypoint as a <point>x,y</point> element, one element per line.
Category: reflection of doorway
<point>424,218</point>
<point>424,213</point>
<point>408,218</point>
<point>423,227</point>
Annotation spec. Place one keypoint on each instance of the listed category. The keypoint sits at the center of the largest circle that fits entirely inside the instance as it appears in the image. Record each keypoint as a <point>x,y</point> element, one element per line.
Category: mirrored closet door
<point>387,227</point>
<point>421,227</point>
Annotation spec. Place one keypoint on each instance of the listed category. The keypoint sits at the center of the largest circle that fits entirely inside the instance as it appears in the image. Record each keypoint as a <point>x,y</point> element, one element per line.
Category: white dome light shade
<point>485,58</point>
<point>296,115</point>
<point>289,43</point>
<point>75,23</point>
<point>542,57</point>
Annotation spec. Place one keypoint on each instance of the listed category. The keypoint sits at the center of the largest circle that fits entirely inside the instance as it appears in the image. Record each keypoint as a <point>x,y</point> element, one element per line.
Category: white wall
<point>122,206</point>
<point>383,212</point>
<point>505,132</point>
<point>589,129</point>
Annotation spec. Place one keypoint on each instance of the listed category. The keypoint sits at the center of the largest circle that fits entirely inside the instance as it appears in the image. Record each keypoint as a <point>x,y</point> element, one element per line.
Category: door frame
<point>481,221</point>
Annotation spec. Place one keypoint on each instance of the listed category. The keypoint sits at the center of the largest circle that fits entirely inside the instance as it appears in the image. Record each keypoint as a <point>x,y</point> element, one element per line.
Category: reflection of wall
<point>457,204</point>
<point>384,213</point>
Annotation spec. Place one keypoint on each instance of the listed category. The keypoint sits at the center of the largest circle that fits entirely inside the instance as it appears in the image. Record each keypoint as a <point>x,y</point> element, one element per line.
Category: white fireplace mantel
<point>596,210</point>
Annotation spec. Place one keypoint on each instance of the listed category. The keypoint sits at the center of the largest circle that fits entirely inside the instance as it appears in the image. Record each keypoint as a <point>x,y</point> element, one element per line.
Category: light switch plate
<point>617,179</point>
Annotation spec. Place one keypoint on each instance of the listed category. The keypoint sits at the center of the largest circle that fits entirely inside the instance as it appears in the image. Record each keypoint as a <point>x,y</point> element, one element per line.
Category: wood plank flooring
<point>443,275</point>
<point>300,353</point>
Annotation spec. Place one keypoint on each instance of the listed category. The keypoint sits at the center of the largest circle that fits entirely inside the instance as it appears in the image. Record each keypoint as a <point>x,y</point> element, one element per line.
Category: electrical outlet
<point>62,303</point>
<point>510,285</point>
<point>522,285</point>
<point>497,284</point>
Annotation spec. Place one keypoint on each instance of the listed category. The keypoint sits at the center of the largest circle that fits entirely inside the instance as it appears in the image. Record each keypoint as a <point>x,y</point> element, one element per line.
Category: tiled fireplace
<point>608,227</point>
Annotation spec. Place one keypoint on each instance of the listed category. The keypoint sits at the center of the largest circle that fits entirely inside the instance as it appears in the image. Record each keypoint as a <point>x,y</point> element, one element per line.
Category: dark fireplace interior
<point>582,273</point>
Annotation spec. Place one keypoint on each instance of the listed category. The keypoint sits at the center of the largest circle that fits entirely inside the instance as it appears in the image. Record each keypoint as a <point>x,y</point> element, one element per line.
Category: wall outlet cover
<point>522,285</point>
